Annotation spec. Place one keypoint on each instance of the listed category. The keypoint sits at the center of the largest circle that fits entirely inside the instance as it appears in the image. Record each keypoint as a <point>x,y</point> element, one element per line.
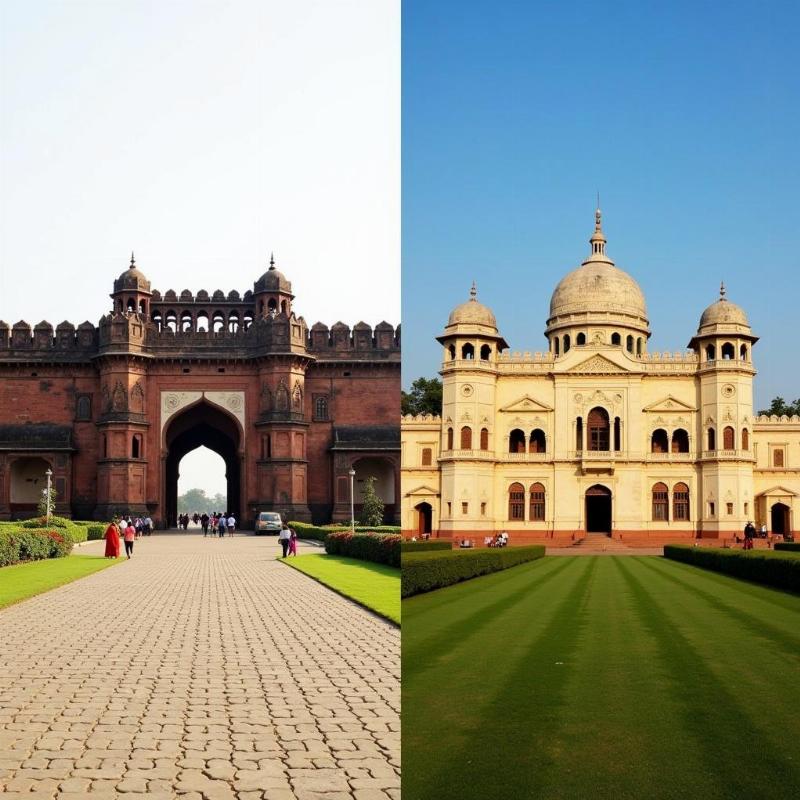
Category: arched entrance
<point>598,509</point>
<point>779,519</point>
<point>383,471</point>
<point>28,481</point>
<point>424,518</point>
<point>202,424</point>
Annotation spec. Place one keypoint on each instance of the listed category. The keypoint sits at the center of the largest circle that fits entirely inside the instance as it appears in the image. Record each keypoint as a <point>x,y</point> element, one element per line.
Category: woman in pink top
<point>293,543</point>
<point>129,536</point>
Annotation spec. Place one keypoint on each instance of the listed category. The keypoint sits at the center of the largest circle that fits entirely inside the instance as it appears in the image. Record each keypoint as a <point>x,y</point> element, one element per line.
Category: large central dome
<point>598,292</point>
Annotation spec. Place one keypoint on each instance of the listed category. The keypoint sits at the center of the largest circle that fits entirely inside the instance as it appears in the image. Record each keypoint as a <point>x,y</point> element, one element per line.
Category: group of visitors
<point>751,532</point>
<point>130,530</point>
<point>218,524</point>
<point>498,540</point>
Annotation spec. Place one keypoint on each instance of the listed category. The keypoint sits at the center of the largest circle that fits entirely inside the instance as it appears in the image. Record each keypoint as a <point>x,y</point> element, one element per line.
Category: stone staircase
<point>601,543</point>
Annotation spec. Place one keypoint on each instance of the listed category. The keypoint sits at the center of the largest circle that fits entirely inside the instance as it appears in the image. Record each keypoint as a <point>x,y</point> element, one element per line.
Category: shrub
<point>372,508</point>
<point>95,531</point>
<point>76,532</point>
<point>380,548</point>
<point>320,532</point>
<point>780,570</point>
<point>427,546</point>
<point>791,546</point>
<point>31,544</point>
<point>306,531</point>
<point>423,572</point>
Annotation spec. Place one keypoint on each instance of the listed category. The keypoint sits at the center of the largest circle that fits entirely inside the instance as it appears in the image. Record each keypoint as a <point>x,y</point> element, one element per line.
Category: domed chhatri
<point>472,312</point>
<point>273,280</point>
<point>723,312</point>
<point>598,287</point>
<point>132,278</point>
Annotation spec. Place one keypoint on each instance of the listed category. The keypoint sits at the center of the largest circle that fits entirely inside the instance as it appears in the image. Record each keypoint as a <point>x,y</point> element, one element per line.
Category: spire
<point>722,291</point>
<point>133,260</point>
<point>598,240</point>
<point>473,292</point>
<point>272,260</point>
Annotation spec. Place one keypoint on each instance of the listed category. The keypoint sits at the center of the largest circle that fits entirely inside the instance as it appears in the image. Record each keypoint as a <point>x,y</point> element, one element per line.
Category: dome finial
<point>272,260</point>
<point>133,260</point>
<point>473,292</point>
<point>722,290</point>
<point>598,240</point>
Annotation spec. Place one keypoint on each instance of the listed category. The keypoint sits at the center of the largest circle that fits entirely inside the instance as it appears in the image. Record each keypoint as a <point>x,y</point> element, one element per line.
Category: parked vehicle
<point>268,522</point>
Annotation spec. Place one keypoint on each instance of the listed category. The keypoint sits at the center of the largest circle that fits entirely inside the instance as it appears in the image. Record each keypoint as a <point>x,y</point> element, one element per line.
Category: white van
<point>268,522</point>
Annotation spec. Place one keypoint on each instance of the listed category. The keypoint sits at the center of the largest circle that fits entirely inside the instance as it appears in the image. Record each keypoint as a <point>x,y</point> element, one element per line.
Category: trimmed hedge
<point>426,546</point>
<point>78,533</point>
<point>792,546</point>
<point>95,531</point>
<point>31,544</point>
<point>378,547</point>
<point>423,572</point>
<point>320,532</point>
<point>780,570</point>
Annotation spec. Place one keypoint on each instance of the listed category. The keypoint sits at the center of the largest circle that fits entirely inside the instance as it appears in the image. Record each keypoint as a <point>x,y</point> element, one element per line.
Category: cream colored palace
<point>597,435</point>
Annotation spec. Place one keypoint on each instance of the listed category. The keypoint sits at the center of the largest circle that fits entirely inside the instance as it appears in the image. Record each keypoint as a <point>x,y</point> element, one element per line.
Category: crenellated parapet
<point>41,342</point>
<point>775,420</point>
<point>362,341</point>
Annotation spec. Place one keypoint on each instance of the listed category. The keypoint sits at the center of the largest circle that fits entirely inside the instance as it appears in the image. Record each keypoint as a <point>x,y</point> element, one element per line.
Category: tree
<point>371,505</point>
<point>47,502</point>
<point>780,408</point>
<point>196,500</point>
<point>425,397</point>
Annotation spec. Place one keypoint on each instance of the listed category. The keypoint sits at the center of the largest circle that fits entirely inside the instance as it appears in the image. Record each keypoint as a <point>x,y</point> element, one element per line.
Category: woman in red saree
<point>112,540</point>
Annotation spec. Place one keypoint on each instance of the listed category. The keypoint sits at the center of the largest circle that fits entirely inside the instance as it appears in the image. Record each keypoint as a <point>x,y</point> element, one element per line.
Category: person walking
<point>749,531</point>
<point>223,524</point>
<point>292,542</point>
<point>112,540</point>
<point>284,537</point>
<point>130,536</point>
<point>231,525</point>
<point>204,523</point>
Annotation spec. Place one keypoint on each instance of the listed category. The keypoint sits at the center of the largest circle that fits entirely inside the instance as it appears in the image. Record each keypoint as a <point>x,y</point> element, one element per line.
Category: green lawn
<point>601,677</point>
<point>21,581</point>
<point>375,586</point>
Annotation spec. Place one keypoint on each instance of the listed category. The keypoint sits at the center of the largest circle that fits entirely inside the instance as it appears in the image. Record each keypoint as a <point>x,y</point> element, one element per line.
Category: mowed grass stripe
<point>774,626</point>
<point>742,757</point>
<point>513,672</point>
<point>662,693</point>
<point>458,622</point>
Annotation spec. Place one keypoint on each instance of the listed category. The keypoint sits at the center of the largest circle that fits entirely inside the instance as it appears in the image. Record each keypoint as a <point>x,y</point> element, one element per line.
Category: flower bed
<point>378,547</point>
<point>32,544</point>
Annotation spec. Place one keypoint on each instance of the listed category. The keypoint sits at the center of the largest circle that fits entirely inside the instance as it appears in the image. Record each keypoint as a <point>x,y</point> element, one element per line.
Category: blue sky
<point>685,116</point>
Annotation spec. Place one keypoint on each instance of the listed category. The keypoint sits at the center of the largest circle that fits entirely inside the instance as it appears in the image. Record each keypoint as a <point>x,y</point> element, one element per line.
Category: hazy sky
<point>203,135</point>
<point>684,115</point>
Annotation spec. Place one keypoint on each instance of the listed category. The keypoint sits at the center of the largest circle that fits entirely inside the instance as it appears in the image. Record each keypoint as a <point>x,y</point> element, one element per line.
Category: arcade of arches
<point>595,433</point>
<point>111,409</point>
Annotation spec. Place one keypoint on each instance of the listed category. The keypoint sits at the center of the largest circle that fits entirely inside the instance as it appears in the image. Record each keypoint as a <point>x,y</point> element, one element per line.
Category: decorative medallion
<point>728,390</point>
<point>467,390</point>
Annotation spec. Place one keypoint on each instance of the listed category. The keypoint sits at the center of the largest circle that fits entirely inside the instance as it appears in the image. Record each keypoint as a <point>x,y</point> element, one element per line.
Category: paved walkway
<point>201,669</point>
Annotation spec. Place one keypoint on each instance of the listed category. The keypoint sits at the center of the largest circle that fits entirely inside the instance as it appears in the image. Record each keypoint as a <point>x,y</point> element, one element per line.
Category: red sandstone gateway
<point>113,409</point>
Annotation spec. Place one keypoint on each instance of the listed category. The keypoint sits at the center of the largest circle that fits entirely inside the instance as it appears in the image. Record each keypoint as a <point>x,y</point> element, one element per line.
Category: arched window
<point>218,322</point>
<point>743,352</point>
<point>171,321</point>
<point>143,307</point>
<point>580,338</point>
<point>711,352</point>
<point>131,304</point>
<point>284,307</point>
<point>427,456</point>
<point>680,441</point>
<point>537,502</point>
<point>616,339</point>
<point>728,351</point>
<point>202,322</point>
<point>629,344</point>
<point>468,351</point>
<point>660,503</point>
<point>449,438</point>
<point>712,439</point>
<point>233,322</point>
<point>579,434</point>
<point>466,438</point>
<point>659,442</point>
<point>538,443</point>
<point>247,319</point>
<point>566,343</point>
<point>452,351</point>
<point>484,438</point>
<point>680,502</point>
<point>272,306</point>
<point>187,323</point>
<point>639,346</point>
<point>617,434</point>
<point>486,352</point>
<point>321,408</point>
<point>745,439</point>
<point>516,441</point>
<point>557,350</point>
<point>136,445</point>
<point>598,429</point>
<point>728,438</point>
<point>516,501</point>
<point>157,321</point>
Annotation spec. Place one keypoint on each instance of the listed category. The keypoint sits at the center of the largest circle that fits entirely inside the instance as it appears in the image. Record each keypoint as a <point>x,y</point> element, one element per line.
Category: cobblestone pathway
<point>199,669</point>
